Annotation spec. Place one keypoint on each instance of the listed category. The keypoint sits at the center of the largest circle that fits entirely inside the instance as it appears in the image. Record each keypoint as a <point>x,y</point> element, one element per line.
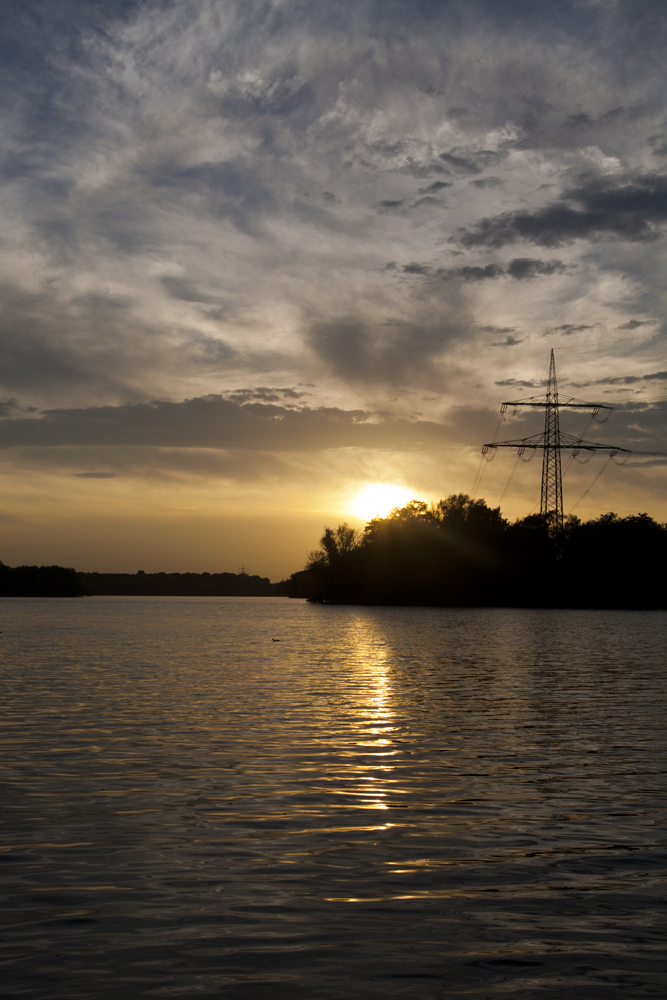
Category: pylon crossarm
<point>536,441</point>
<point>573,403</point>
<point>579,444</point>
<point>567,442</point>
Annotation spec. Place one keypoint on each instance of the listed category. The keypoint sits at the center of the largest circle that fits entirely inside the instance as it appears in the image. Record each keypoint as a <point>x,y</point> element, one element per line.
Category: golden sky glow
<point>377,499</point>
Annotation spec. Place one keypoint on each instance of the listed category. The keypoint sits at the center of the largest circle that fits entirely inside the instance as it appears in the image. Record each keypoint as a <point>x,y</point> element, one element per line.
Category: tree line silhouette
<point>460,552</point>
<point>177,584</point>
<point>60,581</point>
<point>40,581</point>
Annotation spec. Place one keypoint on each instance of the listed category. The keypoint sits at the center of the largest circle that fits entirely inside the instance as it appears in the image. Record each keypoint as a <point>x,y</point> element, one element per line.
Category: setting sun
<point>378,500</point>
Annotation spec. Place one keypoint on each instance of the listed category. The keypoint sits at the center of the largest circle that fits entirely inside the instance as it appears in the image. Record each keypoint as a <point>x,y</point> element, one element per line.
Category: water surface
<point>385,802</point>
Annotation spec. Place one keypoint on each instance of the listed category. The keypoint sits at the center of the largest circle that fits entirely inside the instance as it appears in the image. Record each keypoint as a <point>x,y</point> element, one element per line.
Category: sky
<point>259,258</point>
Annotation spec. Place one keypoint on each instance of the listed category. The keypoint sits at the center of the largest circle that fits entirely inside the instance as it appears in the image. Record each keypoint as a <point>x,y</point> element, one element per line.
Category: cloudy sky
<point>260,256</point>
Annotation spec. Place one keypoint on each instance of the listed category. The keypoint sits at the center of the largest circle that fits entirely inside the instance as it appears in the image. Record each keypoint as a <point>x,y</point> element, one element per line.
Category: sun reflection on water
<point>375,744</point>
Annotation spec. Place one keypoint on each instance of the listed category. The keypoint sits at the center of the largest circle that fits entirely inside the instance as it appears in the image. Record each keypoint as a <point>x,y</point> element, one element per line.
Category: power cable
<point>592,484</point>
<point>477,482</point>
<point>514,467</point>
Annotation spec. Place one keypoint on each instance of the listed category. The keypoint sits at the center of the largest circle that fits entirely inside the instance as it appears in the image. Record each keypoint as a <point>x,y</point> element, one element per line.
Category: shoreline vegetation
<point>455,553</point>
<point>58,581</point>
<point>461,553</point>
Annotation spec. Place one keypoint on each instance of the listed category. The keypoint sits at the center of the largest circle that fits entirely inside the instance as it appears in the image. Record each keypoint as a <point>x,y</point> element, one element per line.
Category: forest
<point>460,552</point>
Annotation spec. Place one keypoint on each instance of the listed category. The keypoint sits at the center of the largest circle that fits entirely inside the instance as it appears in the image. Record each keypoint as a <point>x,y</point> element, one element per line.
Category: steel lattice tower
<point>552,441</point>
<point>551,498</point>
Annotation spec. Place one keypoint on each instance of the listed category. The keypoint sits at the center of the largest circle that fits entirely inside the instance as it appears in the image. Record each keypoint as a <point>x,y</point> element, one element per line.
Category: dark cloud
<point>472,162</point>
<point>659,144</point>
<point>634,324</point>
<point>623,380</point>
<point>472,273</point>
<point>509,341</point>
<point>436,186</point>
<point>214,422</point>
<point>428,199</point>
<point>583,120</point>
<point>7,405</point>
<point>633,210</point>
<point>416,268</point>
<point>265,394</point>
<point>394,351</point>
<point>520,383</point>
<point>569,328</point>
<point>521,269</point>
<point>526,267</point>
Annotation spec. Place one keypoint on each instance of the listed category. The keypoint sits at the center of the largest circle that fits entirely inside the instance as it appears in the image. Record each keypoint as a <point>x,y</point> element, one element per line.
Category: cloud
<point>483,183</point>
<point>416,268</point>
<point>202,195</point>
<point>526,267</point>
<point>214,422</point>
<point>476,273</point>
<point>469,162</point>
<point>435,187</point>
<point>95,475</point>
<point>569,328</point>
<point>7,405</point>
<point>635,324</point>
<point>509,341</point>
<point>521,269</point>
<point>404,350</point>
<point>185,290</point>
<point>633,210</point>
<point>390,206</point>
<point>265,394</point>
<point>624,380</point>
<point>521,383</point>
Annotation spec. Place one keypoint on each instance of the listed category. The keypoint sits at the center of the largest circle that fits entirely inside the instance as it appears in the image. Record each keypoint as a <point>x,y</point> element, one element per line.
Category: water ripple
<point>388,802</point>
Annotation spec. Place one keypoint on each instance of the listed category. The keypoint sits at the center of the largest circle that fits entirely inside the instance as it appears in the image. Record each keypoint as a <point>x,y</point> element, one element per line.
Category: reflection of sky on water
<point>385,794</point>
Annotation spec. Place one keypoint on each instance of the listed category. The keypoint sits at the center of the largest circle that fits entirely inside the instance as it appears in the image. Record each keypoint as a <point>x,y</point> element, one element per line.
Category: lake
<point>259,798</point>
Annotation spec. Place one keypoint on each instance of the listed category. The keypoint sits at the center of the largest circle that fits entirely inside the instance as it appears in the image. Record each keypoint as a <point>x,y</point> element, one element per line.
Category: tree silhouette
<point>460,551</point>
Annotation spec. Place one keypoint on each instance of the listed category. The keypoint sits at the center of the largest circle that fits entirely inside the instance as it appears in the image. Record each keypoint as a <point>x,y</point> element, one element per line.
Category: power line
<point>595,479</point>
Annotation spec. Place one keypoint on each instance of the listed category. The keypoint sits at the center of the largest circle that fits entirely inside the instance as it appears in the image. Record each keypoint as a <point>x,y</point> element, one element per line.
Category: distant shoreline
<point>177,585</point>
<point>60,581</point>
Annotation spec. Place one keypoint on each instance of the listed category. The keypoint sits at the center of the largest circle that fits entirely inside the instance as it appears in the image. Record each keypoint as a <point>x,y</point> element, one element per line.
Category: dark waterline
<point>388,802</point>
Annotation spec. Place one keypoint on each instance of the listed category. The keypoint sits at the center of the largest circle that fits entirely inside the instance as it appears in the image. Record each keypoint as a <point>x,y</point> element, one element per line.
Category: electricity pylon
<point>552,441</point>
